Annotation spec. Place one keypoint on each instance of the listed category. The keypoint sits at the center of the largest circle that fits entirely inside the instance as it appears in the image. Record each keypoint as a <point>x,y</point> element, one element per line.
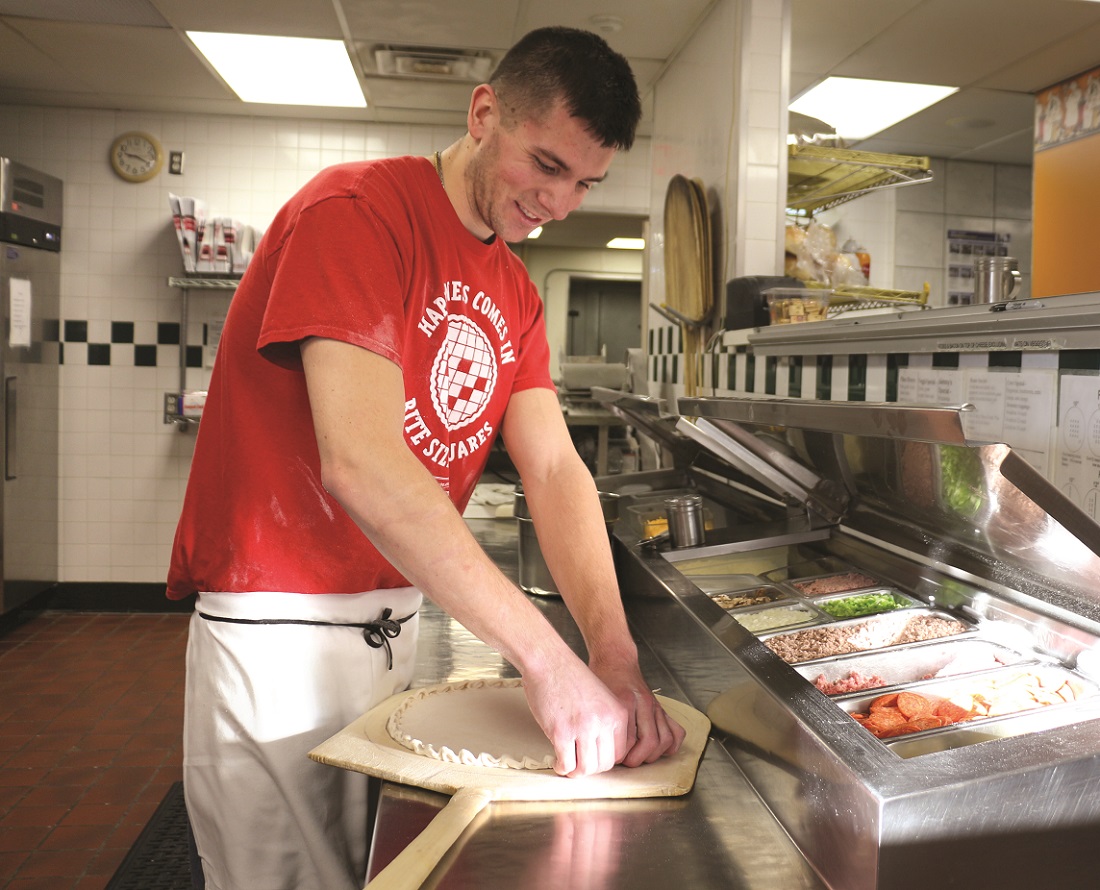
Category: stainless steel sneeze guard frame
<point>935,518</point>
<point>918,423</point>
<point>1048,323</point>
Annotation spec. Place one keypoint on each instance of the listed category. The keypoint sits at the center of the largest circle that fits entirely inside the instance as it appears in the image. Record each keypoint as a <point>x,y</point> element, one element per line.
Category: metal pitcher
<point>534,574</point>
<point>996,279</point>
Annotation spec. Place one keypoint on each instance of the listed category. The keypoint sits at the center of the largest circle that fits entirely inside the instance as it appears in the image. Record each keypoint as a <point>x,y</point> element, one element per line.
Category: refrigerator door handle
<point>9,428</point>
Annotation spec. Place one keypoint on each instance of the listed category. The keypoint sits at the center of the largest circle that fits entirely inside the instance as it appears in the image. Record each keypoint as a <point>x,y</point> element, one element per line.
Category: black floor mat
<point>160,858</point>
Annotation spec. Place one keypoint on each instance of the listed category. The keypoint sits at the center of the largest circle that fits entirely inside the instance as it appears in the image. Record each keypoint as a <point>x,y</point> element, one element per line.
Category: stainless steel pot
<point>534,575</point>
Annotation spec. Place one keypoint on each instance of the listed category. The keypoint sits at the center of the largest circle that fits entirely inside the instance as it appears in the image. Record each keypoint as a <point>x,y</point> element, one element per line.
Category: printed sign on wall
<point>1068,111</point>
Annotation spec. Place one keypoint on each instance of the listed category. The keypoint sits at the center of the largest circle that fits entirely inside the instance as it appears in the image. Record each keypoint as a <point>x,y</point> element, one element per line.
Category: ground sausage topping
<point>883,630</point>
<point>835,583</point>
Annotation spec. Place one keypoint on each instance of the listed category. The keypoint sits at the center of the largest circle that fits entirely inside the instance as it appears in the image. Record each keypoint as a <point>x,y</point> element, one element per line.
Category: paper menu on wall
<point>1017,408</point>
<point>1078,451</point>
<point>213,339</point>
<point>942,387</point>
<point>1012,407</point>
<point>19,313</point>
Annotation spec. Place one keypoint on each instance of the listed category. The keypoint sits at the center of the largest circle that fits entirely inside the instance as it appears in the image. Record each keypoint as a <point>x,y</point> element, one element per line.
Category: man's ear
<point>484,111</point>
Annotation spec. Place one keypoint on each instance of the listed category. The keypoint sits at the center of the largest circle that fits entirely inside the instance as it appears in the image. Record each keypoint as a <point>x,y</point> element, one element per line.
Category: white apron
<point>259,697</point>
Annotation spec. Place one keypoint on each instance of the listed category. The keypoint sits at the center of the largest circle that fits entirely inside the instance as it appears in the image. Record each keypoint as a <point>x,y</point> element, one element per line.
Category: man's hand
<point>597,721</point>
<point>585,723</point>
<point>650,733</point>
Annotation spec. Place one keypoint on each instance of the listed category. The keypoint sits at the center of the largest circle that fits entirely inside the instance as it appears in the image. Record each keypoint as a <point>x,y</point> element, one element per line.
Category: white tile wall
<point>720,115</point>
<point>970,188</point>
<point>870,221</point>
<point>962,195</point>
<point>765,51</point>
<point>122,469</point>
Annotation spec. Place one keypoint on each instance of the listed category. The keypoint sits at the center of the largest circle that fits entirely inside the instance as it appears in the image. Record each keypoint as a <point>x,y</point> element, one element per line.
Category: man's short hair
<point>578,68</point>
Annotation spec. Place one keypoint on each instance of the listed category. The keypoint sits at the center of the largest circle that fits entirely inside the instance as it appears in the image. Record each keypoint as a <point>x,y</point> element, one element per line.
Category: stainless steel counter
<point>719,835</point>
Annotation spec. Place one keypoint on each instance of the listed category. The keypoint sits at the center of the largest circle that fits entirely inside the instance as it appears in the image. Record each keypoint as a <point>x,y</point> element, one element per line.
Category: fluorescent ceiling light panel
<point>858,108</point>
<point>534,233</point>
<point>283,70</point>
<point>626,243</point>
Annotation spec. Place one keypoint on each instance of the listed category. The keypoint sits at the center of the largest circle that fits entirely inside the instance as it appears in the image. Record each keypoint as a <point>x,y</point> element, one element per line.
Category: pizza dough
<point>472,722</point>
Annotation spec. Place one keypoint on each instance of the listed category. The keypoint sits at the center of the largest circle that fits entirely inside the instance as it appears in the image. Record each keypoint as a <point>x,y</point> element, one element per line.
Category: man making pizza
<point>383,336</point>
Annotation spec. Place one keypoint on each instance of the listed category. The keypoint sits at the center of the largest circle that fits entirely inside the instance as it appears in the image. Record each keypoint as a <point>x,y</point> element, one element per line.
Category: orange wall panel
<point>1066,219</point>
<point>1066,188</point>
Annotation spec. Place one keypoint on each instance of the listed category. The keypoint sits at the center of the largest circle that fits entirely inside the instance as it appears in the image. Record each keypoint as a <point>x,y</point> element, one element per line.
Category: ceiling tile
<point>143,61</point>
<point>960,42</point>
<point>994,48</point>
<point>282,18</point>
<point>475,24</point>
<point>651,30</point>
<point>1049,64</point>
<point>25,67</point>
<point>824,34</point>
<point>102,12</point>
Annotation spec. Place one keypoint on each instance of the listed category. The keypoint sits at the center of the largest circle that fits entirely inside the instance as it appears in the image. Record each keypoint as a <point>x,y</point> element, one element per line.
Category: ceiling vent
<point>438,63</point>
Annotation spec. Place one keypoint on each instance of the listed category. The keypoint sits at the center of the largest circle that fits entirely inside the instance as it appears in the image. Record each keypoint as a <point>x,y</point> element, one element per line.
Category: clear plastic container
<point>793,305</point>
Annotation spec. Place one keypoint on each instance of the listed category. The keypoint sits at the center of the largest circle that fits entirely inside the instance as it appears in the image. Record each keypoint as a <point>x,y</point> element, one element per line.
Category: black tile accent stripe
<point>99,353</point>
<point>1006,359</point>
<point>794,377</point>
<point>145,356</point>
<point>824,377</point>
<point>74,334</point>
<point>76,331</point>
<point>1079,360</point>
<point>894,363</point>
<point>857,378</point>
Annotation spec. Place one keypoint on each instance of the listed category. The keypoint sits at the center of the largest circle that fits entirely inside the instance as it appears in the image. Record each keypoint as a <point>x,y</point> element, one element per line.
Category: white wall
<point>123,470</point>
<point>964,195</point>
<point>905,229</point>
<point>720,116</point>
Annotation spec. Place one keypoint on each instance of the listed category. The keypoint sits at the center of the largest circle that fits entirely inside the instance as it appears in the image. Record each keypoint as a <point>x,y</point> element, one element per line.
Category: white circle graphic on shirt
<point>464,373</point>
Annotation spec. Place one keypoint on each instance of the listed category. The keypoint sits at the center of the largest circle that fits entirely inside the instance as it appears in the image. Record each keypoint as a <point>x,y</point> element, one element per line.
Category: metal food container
<point>746,598</point>
<point>863,602</point>
<point>876,632</point>
<point>959,530</point>
<point>711,584</point>
<point>922,661</point>
<point>834,582</point>
<point>825,565</point>
<point>534,574</point>
<point>1008,693</point>
<point>777,616</point>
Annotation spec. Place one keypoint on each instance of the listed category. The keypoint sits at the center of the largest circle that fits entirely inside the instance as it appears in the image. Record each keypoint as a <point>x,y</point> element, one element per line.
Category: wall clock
<point>136,157</point>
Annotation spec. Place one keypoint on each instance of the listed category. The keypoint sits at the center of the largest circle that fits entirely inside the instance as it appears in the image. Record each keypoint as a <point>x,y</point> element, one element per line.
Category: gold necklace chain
<point>439,170</point>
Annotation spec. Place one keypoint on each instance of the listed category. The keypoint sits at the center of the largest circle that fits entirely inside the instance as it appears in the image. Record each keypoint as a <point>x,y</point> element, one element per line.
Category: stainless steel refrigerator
<point>30,301</point>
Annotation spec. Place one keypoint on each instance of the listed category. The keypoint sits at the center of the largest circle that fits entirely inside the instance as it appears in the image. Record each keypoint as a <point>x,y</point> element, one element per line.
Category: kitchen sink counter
<point>719,835</point>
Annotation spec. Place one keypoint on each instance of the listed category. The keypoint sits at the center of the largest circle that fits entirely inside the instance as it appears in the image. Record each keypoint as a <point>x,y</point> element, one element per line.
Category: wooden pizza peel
<point>367,747</point>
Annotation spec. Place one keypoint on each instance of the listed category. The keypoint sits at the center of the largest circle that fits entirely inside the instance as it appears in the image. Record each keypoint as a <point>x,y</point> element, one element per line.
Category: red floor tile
<point>90,741</point>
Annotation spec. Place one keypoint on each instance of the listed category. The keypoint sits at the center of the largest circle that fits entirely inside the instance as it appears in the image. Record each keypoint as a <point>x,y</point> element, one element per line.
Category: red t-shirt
<point>372,254</point>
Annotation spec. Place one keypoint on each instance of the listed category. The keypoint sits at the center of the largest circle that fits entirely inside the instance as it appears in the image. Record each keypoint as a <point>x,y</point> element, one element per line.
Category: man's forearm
<point>573,537</point>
